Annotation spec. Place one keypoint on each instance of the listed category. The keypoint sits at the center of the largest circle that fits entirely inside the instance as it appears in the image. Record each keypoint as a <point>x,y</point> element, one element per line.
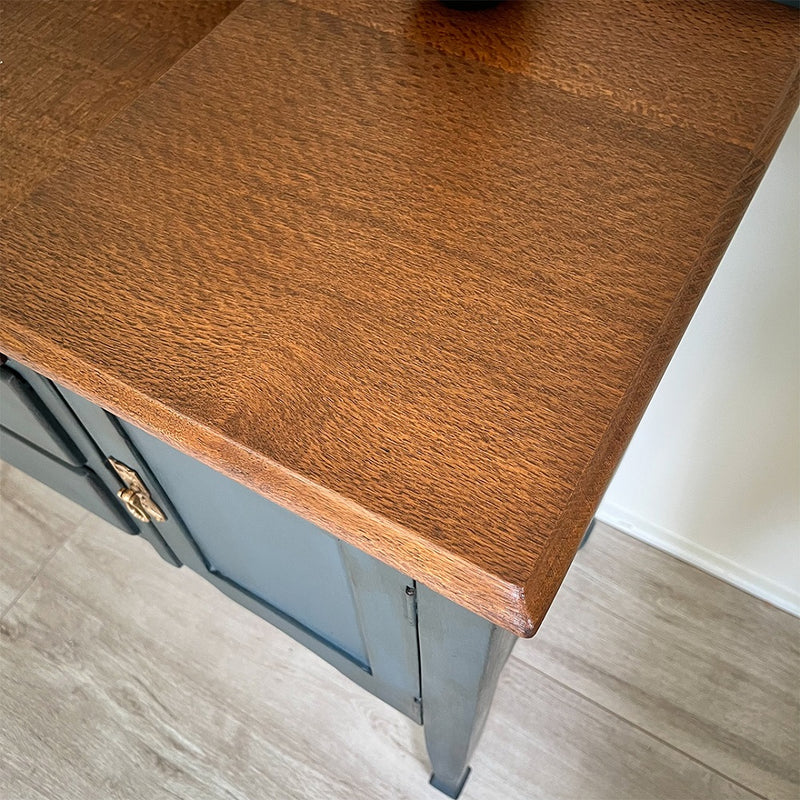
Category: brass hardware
<point>135,497</point>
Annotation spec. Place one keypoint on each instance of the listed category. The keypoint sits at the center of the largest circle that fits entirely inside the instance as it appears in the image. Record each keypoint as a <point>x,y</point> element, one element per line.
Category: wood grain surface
<point>413,278</point>
<point>69,67</point>
<point>648,679</point>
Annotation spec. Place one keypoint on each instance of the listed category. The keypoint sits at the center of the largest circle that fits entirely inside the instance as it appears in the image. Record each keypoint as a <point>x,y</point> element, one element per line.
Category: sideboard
<point>354,309</point>
<point>374,624</point>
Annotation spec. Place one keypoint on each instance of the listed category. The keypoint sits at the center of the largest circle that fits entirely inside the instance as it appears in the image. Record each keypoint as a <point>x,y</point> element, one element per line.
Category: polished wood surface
<point>648,679</point>
<point>415,277</point>
<point>69,67</point>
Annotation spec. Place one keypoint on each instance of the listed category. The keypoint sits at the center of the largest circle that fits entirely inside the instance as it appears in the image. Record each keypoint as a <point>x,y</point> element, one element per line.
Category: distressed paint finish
<point>413,279</point>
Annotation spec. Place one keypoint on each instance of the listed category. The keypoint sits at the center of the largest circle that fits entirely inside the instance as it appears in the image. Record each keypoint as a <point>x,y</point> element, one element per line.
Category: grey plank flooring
<point>121,677</point>
<point>34,523</point>
<point>693,660</point>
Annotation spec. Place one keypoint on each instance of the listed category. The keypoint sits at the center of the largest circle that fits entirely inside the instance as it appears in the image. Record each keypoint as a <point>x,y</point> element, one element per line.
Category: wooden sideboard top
<point>68,67</point>
<point>412,272</point>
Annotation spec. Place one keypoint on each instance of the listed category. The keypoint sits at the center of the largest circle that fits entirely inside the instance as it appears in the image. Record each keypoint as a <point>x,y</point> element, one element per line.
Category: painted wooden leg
<point>461,655</point>
<point>587,533</point>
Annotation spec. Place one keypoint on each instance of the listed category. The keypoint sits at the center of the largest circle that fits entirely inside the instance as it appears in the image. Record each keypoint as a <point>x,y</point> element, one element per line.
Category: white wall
<point>713,472</point>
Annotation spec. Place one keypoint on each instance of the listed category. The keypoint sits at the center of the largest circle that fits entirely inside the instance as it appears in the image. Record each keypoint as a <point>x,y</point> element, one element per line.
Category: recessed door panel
<point>25,415</point>
<point>348,607</point>
<point>258,545</point>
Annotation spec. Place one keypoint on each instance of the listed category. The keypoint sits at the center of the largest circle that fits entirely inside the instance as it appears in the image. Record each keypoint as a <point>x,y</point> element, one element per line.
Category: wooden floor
<point>122,677</point>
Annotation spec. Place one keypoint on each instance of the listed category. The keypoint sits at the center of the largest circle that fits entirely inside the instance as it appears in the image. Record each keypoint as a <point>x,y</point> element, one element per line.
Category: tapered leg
<point>461,655</point>
<point>587,533</point>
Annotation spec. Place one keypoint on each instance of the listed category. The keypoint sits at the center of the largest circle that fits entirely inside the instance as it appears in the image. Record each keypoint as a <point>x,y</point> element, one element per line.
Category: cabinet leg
<point>587,533</point>
<point>461,655</point>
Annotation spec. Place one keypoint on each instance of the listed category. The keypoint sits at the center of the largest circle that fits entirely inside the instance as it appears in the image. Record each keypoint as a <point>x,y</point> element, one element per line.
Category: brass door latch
<point>135,497</point>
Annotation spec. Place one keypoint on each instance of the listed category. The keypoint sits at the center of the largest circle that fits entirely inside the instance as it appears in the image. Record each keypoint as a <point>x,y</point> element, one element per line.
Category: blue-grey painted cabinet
<point>424,655</point>
<point>38,435</point>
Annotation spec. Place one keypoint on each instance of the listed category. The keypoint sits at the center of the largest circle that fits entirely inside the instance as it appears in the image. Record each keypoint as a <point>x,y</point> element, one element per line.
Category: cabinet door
<point>79,484</point>
<point>348,607</point>
<point>34,440</point>
<point>41,435</point>
<point>23,413</point>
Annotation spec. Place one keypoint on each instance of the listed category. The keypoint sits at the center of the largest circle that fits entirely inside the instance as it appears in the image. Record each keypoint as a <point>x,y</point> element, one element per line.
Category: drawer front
<point>79,484</point>
<point>24,414</point>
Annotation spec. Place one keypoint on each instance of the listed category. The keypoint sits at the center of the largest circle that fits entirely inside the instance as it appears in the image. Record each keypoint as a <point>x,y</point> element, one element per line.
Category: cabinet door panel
<point>79,484</point>
<point>342,604</point>
<point>258,545</point>
<point>43,437</point>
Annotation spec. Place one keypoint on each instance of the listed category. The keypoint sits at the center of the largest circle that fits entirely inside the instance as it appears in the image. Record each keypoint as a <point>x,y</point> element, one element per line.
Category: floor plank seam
<point>56,550</point>
<point>645,731</point>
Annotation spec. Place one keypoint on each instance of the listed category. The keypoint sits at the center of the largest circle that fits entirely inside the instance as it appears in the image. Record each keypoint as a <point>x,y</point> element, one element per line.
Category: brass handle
<point>135,496</point>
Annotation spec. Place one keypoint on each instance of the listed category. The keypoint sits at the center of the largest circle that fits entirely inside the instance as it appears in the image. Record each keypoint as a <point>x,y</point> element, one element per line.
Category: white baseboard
<point>700,557</point>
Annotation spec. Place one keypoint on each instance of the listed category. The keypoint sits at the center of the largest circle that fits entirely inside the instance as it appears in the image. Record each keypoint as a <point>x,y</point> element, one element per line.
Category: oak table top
<point>67,68</point>
<point>409,271</point>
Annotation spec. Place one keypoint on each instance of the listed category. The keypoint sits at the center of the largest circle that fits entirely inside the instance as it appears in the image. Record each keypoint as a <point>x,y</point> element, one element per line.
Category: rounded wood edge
<point>518,607</point>
<point>550,570</point>
<point>486,594</point>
